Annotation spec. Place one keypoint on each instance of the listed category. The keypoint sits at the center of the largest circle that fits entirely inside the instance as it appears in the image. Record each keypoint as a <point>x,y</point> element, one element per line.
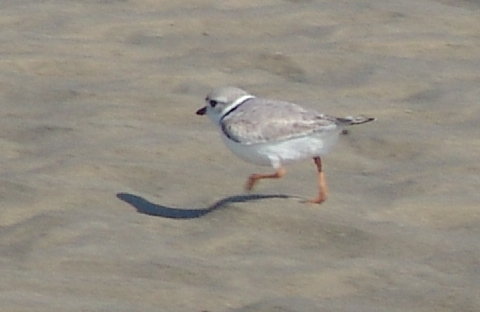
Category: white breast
<point>283,152</point>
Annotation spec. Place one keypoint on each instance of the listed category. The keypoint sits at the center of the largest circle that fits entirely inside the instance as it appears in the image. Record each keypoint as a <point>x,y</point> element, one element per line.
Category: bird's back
<point>263,120</point>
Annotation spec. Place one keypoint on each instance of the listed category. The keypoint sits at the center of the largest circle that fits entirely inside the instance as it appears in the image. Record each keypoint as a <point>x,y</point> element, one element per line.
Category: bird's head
<point>222,100</point>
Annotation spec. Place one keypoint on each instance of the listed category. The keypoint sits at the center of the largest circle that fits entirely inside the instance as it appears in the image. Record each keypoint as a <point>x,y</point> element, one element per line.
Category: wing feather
<point>263,120</point>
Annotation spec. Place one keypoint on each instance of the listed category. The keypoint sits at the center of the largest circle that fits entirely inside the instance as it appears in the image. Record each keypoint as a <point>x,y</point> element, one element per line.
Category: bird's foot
<point>318,200</point>
<point>251,181</point>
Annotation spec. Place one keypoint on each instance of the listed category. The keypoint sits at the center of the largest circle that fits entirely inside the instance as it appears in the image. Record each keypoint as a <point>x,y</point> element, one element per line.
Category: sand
<point>115,196</point>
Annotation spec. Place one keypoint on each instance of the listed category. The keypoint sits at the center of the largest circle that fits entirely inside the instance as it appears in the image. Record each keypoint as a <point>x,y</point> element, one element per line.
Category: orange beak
<point>202,111</point>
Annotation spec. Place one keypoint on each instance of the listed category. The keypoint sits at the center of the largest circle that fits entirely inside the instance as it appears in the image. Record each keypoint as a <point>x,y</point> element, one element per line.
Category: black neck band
<point>234,108</point>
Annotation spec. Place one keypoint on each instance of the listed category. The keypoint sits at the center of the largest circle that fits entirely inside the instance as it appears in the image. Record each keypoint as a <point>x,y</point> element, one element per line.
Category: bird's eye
<point>213,103</point>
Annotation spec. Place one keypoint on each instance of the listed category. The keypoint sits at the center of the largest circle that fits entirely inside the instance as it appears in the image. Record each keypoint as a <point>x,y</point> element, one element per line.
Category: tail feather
<point>357,120</point>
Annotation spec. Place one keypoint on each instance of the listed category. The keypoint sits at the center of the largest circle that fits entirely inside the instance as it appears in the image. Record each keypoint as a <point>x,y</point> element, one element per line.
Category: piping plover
<point>274,133</point>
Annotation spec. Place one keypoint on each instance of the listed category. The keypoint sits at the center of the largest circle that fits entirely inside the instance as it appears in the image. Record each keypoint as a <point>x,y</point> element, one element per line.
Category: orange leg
<point>253,179</point>
<point>322,183</point>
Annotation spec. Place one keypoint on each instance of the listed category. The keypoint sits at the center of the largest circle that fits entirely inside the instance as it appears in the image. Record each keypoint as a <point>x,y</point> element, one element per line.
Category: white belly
<point>283,152</point>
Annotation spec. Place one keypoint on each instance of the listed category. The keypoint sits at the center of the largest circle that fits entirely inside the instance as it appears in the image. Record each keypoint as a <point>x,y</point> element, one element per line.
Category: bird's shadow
<point>146,207</point>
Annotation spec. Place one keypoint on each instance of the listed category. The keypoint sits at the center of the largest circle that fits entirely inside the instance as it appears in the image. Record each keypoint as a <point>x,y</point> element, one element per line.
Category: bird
<point>274,133</point>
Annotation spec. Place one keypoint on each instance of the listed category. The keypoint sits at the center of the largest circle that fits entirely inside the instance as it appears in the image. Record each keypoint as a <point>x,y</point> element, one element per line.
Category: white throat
<point>235,103</point>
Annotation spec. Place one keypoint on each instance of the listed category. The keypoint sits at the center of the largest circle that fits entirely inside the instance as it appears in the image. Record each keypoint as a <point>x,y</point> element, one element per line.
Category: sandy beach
<point>115,196</point>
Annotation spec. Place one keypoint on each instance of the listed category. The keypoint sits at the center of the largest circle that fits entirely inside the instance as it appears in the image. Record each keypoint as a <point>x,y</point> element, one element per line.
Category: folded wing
<point>261,120</point>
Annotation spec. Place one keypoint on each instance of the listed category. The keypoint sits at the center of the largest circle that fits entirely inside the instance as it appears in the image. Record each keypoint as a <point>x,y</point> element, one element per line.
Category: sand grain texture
<point>115,196</point>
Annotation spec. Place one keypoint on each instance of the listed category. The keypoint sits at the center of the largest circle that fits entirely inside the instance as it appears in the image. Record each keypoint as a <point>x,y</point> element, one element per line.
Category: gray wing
<point>262,120</point>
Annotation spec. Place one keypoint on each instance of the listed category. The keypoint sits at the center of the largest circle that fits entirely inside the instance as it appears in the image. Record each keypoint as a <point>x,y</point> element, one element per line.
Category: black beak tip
<point>202,111</point>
